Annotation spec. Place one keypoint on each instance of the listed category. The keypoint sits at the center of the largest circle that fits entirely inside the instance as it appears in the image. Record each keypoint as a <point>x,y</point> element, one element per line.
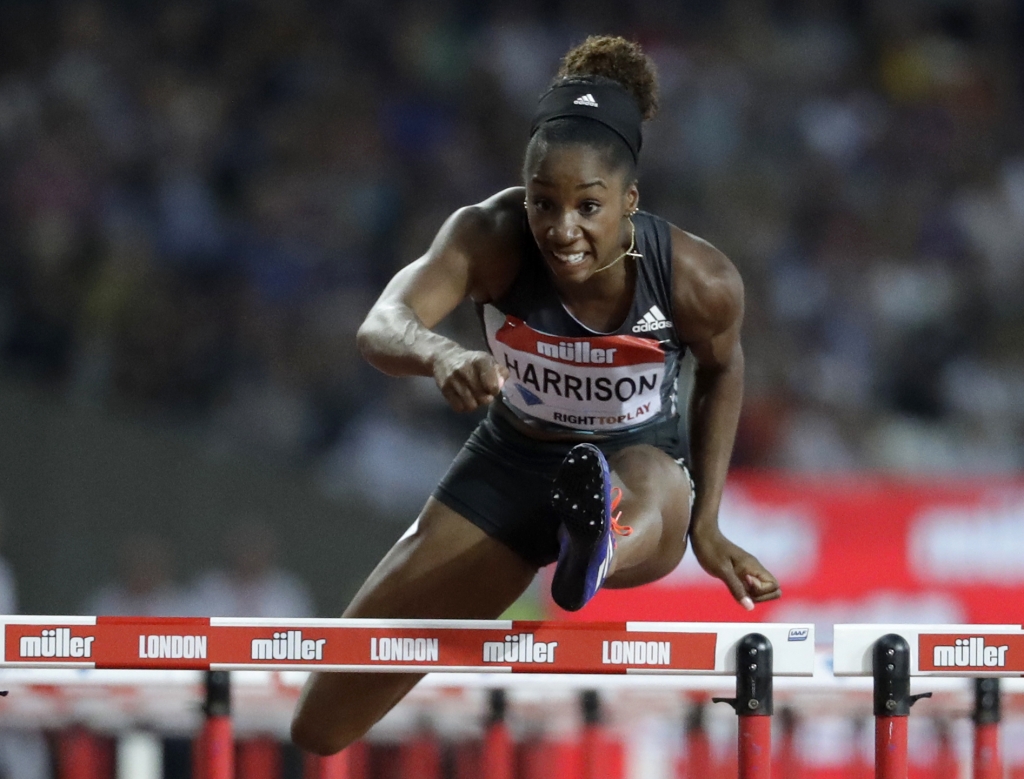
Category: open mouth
<point>574,258</point>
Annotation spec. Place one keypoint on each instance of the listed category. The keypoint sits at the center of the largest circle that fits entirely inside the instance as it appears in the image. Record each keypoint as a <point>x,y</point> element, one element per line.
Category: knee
<point>670,553</point>
<point>648,471</point>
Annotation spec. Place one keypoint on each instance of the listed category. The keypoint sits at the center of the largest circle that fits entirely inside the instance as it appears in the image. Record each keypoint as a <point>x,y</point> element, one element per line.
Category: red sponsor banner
<point>591,350</point>
<point>852,549</point>
<point>525,647</point>
<point>991,652</point>
<point>113,642</point>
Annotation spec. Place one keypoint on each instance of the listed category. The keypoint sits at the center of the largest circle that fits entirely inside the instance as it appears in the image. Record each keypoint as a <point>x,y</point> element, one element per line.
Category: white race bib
<point>601,382</point>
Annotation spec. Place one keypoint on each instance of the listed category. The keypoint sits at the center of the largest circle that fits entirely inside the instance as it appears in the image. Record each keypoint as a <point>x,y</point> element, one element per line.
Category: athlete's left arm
<point>707,311</point>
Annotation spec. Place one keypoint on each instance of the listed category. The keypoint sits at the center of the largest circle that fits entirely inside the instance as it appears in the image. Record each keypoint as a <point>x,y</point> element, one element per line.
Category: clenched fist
<point>468,380</point>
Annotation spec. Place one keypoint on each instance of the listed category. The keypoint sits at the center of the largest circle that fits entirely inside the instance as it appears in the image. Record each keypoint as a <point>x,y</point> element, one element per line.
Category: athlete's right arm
<point>396,336</point>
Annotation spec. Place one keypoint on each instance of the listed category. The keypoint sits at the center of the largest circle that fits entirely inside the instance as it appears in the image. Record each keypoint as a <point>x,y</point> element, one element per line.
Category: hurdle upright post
<point>215,748</point>
<point>696,761</point>
<point>987,715</point>
<point>601,755</point>
<point>891,674</point>
<point>497,756</point>
<point>753,705</point>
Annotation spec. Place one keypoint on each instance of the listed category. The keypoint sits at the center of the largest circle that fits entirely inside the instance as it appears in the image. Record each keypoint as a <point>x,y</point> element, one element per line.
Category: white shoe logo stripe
<point>602,572</point>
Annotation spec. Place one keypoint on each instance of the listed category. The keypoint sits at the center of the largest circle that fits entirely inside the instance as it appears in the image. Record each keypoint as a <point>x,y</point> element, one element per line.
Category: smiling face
<point>577,207</point>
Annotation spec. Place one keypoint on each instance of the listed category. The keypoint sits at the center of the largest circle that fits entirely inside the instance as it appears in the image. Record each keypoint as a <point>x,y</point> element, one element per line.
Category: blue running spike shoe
<point>583,499</point>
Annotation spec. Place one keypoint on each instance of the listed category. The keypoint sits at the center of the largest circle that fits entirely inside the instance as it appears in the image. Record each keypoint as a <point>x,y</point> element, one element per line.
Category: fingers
<point>490,378</point>
<point>747,580</point>
<point>762,588</point>
<point>485,381</point>
<point>474,382</point>
<point>459,397</point>
<point>739,592</point>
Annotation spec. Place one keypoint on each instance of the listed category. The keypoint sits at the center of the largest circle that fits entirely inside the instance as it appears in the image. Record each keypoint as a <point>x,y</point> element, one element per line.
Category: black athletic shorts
<point>501,481</point>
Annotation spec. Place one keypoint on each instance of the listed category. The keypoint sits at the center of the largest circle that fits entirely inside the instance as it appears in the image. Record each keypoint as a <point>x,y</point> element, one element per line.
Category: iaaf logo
<point>288,645</point>
<point>798,634</point>
<point>970,652</point>
<point>577,351</point>
<point>56,642</point>
<point>520,648</point>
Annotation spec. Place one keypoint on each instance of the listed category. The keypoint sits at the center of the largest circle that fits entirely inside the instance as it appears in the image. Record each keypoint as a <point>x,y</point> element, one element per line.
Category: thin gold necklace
<point>629,252</point>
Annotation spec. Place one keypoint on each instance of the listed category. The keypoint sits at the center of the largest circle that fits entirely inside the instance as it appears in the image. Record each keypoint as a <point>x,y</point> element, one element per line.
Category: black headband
<point>607,103</point>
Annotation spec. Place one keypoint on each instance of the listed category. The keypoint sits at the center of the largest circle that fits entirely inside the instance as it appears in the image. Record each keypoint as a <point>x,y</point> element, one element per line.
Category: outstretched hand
<point>747,580</point>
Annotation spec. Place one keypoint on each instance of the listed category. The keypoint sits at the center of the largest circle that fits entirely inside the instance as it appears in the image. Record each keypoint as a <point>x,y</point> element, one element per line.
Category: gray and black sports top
<point>563,376</point>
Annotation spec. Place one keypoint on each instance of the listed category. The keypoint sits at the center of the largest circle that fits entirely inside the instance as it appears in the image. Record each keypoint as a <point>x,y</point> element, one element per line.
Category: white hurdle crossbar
<point>466,646</point>
<point>935,650</point>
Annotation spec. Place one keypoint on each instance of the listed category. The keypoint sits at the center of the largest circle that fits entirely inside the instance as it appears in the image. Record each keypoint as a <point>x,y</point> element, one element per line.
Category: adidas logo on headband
<point>618,109</point>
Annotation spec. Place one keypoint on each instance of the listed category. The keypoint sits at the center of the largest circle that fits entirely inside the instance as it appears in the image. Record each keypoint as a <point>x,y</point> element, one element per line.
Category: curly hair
<point>600,59</point>
<point>614,58</point>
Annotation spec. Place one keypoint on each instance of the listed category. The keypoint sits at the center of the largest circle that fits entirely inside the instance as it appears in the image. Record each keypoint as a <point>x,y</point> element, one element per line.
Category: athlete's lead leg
<point>594,550</point>
<point>656,500</point>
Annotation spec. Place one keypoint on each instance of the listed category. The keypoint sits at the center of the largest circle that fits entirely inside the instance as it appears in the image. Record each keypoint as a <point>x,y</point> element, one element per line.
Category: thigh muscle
<point>446,569</point>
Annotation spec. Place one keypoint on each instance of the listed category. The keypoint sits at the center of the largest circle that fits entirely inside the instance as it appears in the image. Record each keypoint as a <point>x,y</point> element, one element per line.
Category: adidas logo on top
<point>652,320</point>
<point>587,99</point>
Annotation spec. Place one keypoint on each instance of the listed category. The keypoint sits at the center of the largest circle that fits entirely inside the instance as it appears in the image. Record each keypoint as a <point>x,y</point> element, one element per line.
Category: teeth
<point>571,259</point>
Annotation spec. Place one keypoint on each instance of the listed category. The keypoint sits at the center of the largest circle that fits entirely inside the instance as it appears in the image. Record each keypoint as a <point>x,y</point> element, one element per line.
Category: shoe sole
<point>579,498</point>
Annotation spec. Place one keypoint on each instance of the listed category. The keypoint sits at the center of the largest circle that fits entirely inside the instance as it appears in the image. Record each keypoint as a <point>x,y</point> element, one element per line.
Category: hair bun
<point>615,58</point>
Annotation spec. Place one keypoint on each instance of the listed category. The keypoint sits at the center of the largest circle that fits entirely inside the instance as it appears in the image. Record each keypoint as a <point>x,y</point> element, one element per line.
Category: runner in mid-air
<point>588,305</point>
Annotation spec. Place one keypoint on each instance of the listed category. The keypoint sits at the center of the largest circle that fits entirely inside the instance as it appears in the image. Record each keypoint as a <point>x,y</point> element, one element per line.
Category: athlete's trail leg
<point>448,569</point>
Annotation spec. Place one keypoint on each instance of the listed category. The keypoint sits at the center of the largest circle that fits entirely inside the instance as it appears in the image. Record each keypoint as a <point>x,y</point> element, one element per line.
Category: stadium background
<point>200,200</point>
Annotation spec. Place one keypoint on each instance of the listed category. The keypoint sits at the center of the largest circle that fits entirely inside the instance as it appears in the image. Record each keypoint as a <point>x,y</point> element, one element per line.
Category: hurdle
<point>753,704</point>
<point>753,653</point>
<point>892,654</point>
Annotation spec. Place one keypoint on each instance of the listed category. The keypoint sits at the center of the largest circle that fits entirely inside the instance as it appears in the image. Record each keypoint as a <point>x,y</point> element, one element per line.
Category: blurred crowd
<point>200,200</point>
<point>250,583</point>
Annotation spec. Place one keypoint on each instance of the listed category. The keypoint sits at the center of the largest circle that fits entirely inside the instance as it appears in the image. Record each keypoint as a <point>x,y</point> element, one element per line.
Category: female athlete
<point>588,305</point>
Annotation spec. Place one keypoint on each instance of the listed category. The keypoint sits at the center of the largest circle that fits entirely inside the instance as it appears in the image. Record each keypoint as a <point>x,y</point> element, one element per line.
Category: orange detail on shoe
<point>622,530</point>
